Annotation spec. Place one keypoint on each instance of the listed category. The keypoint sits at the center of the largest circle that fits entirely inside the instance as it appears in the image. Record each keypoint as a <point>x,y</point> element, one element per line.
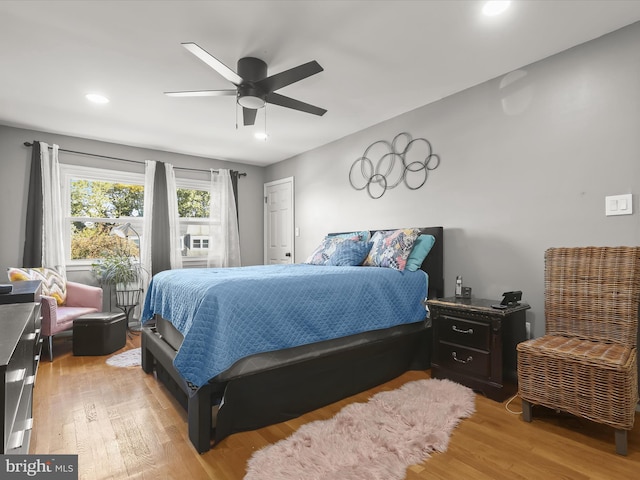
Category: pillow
<point>18,274</point>
<point>53,284</point>
<point>391,248</point>
<point>350,253</point>
<point>421,248</point>
<point>328,246</point>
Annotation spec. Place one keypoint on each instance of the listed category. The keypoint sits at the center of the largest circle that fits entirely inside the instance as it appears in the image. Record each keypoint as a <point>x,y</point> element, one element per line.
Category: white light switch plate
<point>618,204</point>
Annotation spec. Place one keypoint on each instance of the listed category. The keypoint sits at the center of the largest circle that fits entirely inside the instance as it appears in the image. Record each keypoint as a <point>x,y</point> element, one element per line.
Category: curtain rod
<point>29,144</point>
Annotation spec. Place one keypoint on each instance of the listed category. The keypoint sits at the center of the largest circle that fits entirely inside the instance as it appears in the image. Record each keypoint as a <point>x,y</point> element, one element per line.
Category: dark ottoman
<point>99,333</point>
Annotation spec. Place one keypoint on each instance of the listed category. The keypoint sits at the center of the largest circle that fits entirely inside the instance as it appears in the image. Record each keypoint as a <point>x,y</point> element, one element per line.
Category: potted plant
<point>122,271</point>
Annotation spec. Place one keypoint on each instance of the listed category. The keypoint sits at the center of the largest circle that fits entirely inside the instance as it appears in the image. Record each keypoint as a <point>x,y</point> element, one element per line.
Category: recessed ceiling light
<point>96,98</point>
<point>495,7</point>
<point>261,136</point>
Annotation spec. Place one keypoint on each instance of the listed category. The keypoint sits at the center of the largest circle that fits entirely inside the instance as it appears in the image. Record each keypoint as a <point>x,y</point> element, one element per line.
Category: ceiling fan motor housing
<point>252,70</point>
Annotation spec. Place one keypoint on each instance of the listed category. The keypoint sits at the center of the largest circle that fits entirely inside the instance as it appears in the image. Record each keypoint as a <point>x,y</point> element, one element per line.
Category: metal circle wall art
<point>385,165</point>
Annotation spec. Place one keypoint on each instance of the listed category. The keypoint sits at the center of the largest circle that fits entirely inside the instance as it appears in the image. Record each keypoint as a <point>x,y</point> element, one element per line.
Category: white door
<point>278,221</point>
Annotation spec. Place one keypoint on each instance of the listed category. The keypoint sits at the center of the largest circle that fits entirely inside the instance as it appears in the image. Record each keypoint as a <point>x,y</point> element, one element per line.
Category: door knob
<point>288,254</point>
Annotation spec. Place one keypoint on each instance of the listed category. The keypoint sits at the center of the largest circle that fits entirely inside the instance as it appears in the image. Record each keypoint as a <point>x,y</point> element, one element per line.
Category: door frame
<point>265,239</point>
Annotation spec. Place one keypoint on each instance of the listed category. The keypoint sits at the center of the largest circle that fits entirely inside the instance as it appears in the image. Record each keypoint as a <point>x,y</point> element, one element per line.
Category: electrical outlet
<point>528,329</point>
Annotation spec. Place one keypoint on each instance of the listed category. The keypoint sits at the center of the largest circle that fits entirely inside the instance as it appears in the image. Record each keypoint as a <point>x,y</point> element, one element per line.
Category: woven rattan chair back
<point>593,293</point>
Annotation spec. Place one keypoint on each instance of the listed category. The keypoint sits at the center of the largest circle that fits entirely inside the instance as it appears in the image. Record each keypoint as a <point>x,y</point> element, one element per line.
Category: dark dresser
<point>475,344</point>
<point>20,345</point>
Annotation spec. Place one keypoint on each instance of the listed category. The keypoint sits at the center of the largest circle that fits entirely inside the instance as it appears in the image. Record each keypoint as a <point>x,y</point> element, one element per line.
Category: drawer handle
<point>455,357</point>
<point>469,331</point>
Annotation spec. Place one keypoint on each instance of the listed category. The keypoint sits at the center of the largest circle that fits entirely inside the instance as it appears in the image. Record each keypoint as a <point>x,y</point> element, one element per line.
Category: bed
<point>201,336</point>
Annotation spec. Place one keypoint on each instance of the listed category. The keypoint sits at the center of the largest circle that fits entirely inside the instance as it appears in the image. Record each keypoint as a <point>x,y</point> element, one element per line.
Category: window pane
<point>99,199</point>
<point>193,209</point>
<point>92,240</point>
<point>194,239</point>
<point>193,203</point>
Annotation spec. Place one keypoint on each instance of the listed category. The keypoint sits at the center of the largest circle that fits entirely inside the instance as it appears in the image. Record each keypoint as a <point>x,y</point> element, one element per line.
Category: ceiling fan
<point>253,87</point>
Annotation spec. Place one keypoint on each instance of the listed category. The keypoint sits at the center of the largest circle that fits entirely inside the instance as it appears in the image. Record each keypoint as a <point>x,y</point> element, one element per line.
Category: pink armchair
<point>81,299</point>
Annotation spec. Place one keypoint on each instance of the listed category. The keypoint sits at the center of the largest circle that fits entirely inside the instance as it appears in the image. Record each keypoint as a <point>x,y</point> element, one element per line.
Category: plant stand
<point>127,300</point>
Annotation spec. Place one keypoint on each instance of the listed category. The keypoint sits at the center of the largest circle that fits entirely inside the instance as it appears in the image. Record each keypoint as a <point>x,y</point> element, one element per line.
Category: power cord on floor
<point>507,406</point>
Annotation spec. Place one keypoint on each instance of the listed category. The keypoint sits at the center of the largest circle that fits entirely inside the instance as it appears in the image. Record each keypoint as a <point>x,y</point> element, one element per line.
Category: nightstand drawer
<point>464,332</point>
<point>464,360</point>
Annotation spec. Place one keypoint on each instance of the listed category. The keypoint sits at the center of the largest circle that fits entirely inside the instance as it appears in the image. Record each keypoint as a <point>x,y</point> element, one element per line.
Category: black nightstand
<point>475,344</point>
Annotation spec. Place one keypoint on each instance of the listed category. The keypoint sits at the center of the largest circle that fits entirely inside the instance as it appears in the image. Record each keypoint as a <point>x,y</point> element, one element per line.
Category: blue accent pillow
<point>350,253</point>
<point>421,248</point>
<point>327,248</point>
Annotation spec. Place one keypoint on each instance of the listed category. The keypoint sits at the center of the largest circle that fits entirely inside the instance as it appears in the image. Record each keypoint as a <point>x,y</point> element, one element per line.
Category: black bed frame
<point>280,394</point>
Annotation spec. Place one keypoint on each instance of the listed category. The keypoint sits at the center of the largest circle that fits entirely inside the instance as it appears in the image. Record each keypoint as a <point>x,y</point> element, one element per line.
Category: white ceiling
<point>380,59</point>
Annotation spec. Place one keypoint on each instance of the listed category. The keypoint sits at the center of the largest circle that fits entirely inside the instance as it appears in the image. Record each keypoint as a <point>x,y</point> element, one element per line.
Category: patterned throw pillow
<point>391,248</point>
<point>350,254</point>
<point>53,284</point>
<point>327,248</point>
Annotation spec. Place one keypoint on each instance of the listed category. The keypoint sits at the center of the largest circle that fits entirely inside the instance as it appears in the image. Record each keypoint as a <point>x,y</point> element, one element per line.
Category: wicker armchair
<point>586,363</point>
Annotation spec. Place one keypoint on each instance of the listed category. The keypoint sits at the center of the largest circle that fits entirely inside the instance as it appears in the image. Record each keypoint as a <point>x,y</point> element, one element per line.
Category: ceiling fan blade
<point>249,116</point>
<point>277,99</point>
<point>213,62</point>
<point>282,79</point>
<point>201,93</point>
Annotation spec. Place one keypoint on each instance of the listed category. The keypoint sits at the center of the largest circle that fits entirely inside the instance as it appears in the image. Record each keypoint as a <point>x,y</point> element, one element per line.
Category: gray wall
<point>15,160</point>
<point>527,160</point>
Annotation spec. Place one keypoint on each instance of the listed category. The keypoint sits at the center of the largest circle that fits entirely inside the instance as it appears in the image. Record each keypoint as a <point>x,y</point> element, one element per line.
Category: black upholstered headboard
<point>434,263</point>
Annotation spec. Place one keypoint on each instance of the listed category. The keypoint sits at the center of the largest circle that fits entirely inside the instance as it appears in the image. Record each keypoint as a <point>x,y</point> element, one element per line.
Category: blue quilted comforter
<point>226,314</point>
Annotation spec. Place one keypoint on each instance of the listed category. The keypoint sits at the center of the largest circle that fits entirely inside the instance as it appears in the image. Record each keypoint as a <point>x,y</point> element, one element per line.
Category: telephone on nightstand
<point>510,299</point>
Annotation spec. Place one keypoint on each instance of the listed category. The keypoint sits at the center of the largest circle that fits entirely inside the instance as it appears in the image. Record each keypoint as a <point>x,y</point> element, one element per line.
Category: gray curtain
<point>32,254</point>
<point>160,247</point>
<point>234,184</point>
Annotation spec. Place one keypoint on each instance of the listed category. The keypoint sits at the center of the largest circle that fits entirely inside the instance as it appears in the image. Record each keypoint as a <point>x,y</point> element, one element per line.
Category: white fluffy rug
<point>376,440</point>
<point>130,358</point>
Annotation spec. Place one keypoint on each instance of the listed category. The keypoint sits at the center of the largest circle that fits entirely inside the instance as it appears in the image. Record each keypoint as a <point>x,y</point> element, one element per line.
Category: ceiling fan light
<point>96,98</point>
<point>495,7</point>
<point>250,101</point>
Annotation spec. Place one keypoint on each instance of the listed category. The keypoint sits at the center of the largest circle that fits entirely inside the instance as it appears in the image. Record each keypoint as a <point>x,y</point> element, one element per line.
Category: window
<point>193,210</point>
<point>96,200</point>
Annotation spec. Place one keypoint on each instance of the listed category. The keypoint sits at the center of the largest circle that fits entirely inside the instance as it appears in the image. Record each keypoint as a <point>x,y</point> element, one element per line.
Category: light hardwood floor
<point>123,424</point>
